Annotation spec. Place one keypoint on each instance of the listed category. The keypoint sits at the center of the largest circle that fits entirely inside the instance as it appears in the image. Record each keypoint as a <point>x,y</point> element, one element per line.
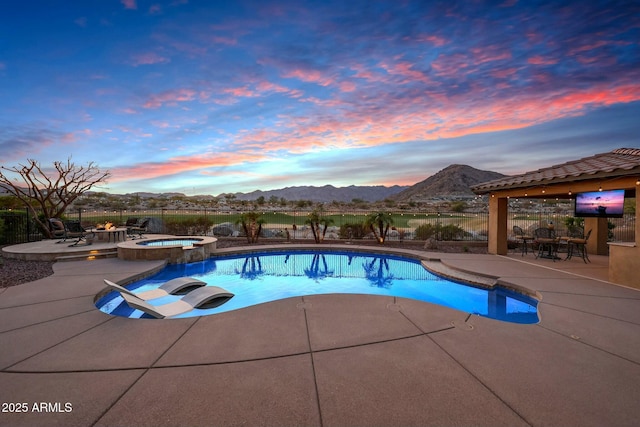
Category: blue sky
<point>209,97</point>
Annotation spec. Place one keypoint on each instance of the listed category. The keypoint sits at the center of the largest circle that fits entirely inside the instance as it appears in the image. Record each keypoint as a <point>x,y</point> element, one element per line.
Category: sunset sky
<point>210,97</point>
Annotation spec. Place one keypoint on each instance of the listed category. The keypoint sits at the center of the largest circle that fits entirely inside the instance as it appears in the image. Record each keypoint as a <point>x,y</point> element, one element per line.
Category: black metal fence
<point>17,227</point>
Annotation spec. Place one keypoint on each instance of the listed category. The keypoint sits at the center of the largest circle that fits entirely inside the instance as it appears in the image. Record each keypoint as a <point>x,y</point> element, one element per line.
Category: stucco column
<point>597,243</point>
<point>637,216</point>
<point>497,226</point>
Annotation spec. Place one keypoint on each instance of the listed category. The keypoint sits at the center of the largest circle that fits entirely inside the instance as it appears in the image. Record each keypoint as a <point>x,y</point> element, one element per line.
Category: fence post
<point>28,219</point>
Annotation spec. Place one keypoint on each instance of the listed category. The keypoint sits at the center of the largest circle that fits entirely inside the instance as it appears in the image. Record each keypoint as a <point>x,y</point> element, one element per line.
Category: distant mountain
<point>454,180</point>
<point>327,193</point>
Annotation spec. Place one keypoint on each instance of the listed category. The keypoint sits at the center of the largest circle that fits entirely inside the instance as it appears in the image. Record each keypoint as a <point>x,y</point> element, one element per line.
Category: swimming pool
<point>257,278</point>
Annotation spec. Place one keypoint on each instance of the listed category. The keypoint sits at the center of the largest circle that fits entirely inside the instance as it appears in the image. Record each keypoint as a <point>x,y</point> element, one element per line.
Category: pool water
<point>170,242</point>
<point>262,277</point>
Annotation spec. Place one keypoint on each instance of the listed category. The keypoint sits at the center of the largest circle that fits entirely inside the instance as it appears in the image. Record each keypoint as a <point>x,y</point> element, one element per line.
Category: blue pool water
<point>170,242</point>
<point>262,277</point>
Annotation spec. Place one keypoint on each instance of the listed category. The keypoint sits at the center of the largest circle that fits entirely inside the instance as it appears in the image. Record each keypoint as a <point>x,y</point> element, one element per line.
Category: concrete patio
<point>330,360</point>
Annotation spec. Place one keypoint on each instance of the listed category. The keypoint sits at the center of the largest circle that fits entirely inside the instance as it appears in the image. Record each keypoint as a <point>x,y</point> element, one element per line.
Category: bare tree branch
<point>50,194</point>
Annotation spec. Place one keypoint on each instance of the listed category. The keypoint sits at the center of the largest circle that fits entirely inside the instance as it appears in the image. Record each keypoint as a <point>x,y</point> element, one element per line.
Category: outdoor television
<point>604,204</point>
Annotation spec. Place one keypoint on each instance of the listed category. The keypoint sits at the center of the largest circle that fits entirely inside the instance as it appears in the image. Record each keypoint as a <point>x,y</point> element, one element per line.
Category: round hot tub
<point>174,249</point>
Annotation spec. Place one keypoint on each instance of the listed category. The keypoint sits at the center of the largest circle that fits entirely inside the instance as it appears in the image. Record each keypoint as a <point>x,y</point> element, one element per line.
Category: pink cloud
<point>540,60</point>
<point>266,86</point>
<point>170,97</point>
<point>489,54</point>
<point>228,41</point>
<point>588,47</point>
<point>405,69</point>
<point>129,4</point>
<point>398,122</point>
<point>160,124</point>
<point>347,86</point>
<point>504,73</point>
<point>450,65</point>
<point>181,164</point>
<point>241,92</point>
<point>148,58</point>
<point>434,40</point>
<point>310,76</point>
<point>70,137</point>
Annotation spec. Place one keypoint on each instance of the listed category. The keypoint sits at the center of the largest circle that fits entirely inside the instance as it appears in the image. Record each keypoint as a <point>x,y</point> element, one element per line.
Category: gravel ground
<point>15,272</point>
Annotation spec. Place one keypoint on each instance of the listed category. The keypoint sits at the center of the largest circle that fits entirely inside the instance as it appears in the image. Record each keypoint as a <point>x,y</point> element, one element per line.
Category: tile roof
<point>619,162</point>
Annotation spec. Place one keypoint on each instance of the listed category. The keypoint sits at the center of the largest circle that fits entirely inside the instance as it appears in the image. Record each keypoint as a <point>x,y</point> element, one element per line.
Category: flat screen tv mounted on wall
<point>603,204</point>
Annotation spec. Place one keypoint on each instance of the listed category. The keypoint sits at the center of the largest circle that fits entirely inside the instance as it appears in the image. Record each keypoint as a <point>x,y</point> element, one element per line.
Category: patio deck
<point>324,360</point>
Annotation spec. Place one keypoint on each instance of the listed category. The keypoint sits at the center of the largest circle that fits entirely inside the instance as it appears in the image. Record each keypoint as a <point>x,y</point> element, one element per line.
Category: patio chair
<point>522,238</point>
<point>138,230</point>
<point>68,230</point>
<point>579,244</point>
<point>545,239</point>
<point>205,297</point>
<point>180,285</point>
<point>131,222</point>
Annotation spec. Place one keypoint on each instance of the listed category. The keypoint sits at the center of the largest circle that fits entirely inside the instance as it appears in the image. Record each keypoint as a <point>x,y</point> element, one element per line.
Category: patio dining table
<point>547,243</point>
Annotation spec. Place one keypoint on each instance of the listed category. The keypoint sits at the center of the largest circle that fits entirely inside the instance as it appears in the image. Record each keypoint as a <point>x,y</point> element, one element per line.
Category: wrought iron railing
<point>17,227</point>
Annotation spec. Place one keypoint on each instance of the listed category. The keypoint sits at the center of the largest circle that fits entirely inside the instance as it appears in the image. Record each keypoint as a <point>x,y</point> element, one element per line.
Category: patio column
<point>497,225</point>
<point>623,258</point>
<point>597,243</point>
<point>637,227</point>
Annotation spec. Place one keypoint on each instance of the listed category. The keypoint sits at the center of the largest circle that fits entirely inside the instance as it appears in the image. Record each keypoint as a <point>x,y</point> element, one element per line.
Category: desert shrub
<point>191,226</point>
<point>439,232</point>
<point>425,231</point>
<point>358,230</point>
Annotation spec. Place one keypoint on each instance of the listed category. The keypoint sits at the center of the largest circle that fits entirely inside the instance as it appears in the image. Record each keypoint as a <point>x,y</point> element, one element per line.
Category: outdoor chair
<point>138,230</point>
<point>579,244</point>
<point>545,239</point>
<point>522,238</point>
<point>68,230</point>
<point>204,297</point>
<point>131,222</point>
<point>56,226</point>
<point>178,286</point>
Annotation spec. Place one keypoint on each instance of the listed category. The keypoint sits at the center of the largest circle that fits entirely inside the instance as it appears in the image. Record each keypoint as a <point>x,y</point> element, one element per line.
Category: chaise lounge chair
<point>205,297</point>
<point>181,285</point>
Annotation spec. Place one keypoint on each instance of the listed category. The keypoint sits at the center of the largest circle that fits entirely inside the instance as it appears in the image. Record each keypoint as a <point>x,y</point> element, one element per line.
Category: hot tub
<point>174,249</point>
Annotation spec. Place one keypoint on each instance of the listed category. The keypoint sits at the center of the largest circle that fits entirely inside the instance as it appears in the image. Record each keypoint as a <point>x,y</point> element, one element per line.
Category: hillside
<point>454,180</point>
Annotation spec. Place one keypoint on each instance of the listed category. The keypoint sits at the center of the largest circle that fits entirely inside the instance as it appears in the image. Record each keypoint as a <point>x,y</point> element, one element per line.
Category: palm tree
<point>314,220</point>
<point>379,223</point>
<point>252,225</point>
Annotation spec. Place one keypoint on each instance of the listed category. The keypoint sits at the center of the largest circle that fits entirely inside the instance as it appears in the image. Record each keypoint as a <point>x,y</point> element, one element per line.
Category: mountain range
<point>454,180</point>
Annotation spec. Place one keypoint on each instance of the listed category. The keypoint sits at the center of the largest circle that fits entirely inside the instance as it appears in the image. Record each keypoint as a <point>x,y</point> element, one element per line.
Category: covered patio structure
<point>615,170</point>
